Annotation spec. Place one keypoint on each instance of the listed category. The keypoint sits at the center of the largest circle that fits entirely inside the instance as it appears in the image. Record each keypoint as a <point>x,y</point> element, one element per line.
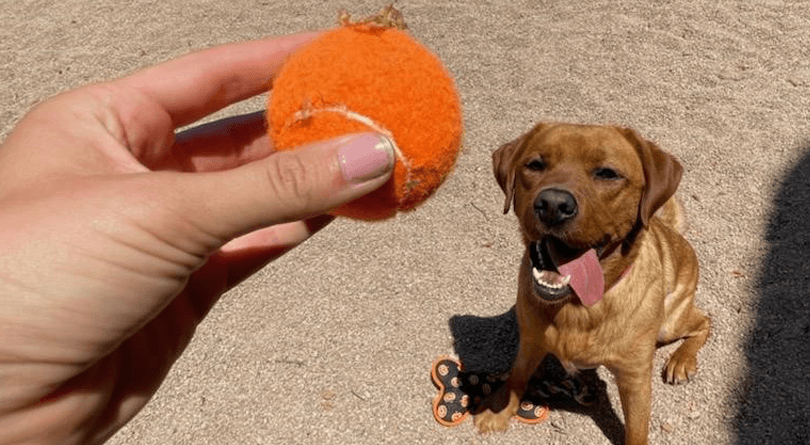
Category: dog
<point>606,276</point>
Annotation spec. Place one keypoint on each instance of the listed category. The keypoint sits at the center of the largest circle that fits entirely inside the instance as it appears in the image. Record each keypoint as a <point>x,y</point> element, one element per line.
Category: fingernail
<point>365,157</point>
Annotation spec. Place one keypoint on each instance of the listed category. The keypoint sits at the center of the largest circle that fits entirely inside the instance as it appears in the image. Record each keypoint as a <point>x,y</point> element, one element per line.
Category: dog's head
<point>578,190</point>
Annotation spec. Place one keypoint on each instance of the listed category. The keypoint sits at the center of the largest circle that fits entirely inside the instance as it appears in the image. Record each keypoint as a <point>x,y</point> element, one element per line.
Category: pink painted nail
<point>365,157</point>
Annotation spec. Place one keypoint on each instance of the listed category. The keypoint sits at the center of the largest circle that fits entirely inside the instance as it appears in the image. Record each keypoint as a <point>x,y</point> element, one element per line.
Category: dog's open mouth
<point>559,271</point>
<point>548,282</point>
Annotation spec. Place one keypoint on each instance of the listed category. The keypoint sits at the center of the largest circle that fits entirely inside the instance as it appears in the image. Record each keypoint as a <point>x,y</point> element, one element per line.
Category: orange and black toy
<point>461,393</point>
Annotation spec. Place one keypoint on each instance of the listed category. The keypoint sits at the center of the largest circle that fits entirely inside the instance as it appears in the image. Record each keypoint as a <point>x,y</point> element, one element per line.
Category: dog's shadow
<point>488,345</point>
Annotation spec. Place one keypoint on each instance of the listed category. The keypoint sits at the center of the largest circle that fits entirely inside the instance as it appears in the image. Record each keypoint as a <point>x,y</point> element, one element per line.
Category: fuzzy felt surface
<point>387,77</point>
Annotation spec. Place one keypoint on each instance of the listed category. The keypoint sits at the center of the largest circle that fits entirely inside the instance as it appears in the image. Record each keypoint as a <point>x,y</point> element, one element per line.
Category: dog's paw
<point>488,421</point>
<point>681,368</point>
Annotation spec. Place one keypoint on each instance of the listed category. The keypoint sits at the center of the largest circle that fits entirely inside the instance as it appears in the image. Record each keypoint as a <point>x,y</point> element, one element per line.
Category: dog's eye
<point>606,173</point>
<point>536,165</point>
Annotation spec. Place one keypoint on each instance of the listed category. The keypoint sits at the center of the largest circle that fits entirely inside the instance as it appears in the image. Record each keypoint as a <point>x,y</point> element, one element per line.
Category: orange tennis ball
<point>365,77</point>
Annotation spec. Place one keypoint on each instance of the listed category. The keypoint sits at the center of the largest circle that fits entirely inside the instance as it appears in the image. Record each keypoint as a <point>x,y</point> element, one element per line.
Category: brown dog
<point>606,277</point>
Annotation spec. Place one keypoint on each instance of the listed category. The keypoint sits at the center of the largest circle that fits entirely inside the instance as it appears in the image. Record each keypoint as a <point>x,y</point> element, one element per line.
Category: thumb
<point>289,185</point>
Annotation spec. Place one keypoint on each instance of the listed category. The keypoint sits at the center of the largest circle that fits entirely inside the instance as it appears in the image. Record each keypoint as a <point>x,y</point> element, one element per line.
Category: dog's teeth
<point>544,278</point>
<point>550,279</point>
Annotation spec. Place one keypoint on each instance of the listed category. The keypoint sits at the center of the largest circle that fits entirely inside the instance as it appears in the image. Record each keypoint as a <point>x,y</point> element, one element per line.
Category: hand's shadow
<point>488,345</point>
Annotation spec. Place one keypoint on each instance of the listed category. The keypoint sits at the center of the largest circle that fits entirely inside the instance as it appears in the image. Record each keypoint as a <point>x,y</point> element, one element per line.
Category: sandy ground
<point>333,343</point>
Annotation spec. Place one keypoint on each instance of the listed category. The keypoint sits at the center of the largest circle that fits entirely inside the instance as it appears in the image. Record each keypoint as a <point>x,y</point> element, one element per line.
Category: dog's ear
<point>662,174</point>
<point>503,165</point>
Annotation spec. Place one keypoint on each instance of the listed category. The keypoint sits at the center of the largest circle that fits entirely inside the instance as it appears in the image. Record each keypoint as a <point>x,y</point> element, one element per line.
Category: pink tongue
<point>587,278</point>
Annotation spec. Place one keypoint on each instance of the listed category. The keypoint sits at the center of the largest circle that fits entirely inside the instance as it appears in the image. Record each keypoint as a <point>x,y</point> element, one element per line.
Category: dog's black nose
<point>555,206</point>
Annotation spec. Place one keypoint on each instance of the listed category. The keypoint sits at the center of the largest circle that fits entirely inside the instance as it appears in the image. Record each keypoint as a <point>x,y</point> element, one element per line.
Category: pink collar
<point>623,275</point>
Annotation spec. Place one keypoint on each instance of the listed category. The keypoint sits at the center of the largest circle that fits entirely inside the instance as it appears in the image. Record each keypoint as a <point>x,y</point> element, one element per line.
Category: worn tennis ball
<point>371,77</point>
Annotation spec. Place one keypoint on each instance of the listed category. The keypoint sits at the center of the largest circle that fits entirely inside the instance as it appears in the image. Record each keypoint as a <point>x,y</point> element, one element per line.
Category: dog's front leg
<point>635,391</point>
<point>498,408</point>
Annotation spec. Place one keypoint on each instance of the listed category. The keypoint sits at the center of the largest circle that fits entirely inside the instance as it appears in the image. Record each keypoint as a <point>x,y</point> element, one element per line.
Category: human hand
<point>118,235</point>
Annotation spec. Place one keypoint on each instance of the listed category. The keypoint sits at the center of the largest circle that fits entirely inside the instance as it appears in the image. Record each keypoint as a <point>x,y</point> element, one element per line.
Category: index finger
<point>196,85</point>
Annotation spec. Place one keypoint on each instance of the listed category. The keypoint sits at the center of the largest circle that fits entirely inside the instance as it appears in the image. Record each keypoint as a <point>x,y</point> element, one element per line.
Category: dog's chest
<point>576,356</point>
<point>585,348</point>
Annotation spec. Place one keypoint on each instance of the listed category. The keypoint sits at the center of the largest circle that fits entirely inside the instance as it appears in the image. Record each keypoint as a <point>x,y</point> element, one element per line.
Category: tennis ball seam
<point>308,112</point>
